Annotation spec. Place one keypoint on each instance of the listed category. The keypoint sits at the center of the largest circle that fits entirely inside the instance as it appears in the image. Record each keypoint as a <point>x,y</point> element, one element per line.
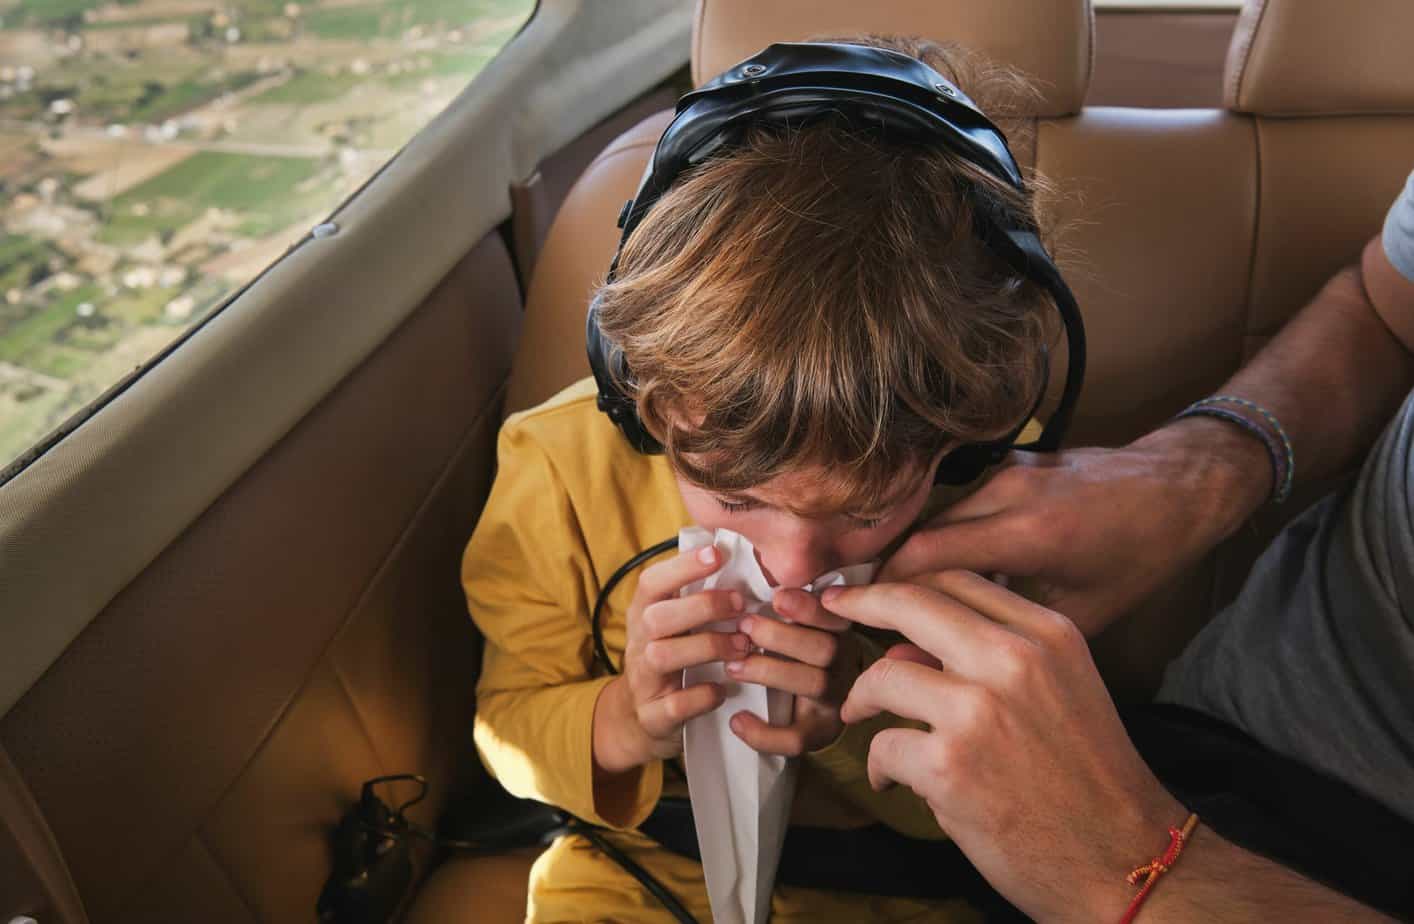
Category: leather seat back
<point>1193,234</point>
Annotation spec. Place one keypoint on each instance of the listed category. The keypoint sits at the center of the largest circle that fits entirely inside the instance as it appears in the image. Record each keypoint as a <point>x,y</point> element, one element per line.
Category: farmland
<point>155,154</point>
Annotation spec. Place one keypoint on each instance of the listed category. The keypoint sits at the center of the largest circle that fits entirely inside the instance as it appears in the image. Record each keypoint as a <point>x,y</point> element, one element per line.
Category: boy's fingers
<point>813,646</point>
<point>780,674</point>
<point>800,607</point>
<point>664,579</point>
<point>670,655</point>
<point>787,740</point>
<point>677,615</point>
<point>663,716</point>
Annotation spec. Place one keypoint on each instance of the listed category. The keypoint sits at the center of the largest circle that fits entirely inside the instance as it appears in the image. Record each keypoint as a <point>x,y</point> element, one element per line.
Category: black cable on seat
<point>645,879</point>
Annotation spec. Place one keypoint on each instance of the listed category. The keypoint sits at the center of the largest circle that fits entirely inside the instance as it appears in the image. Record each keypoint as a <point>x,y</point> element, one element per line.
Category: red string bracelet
<point>1157,867</point>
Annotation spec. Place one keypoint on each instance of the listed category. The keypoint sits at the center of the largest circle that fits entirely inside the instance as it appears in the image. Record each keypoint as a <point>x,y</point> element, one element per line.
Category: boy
<point>812,323</point>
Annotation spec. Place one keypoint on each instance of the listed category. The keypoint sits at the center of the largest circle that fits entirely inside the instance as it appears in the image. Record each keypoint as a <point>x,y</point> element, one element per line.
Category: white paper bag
<point>741,799</point>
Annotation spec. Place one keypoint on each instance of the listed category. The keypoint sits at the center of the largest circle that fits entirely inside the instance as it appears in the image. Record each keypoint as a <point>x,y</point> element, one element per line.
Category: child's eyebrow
<point>732,497</point>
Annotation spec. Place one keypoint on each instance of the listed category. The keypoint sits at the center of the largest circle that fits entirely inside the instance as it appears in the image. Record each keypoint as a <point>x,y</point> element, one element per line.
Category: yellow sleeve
<point>844,765</point>
<point>529,586</point>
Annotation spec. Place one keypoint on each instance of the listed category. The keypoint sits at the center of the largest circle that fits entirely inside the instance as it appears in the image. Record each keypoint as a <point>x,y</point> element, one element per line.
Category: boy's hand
<point>812,655</point>
<point>640,714</point>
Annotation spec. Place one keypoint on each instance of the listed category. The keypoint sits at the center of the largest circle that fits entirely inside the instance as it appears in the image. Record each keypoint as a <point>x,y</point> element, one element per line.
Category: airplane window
<point>155,155</point>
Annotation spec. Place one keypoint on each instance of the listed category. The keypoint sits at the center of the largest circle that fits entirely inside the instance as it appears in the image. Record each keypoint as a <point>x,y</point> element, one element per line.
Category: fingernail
<point>741,643</point>
<point>736,723</point>
<point>707,555</point>
<point>747,625</point>
<point>738,603</point>
<point>735,667</point>
<point>831,594</point>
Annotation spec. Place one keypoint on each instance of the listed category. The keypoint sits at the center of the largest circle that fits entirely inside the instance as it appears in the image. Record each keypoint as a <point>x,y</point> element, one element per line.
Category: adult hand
<point>811,653</point>
<point>1024,762</point>
<point>1097,530</point>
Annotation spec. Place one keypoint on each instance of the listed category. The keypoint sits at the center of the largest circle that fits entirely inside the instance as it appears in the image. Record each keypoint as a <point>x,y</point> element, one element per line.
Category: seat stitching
<point>1247,43</point>
<point>612,151</point>
<point>699,27</point>
<point>1256,228</point>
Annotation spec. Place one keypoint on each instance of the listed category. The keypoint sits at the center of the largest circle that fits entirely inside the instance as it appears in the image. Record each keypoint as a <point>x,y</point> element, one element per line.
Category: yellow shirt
<point>571,502</point>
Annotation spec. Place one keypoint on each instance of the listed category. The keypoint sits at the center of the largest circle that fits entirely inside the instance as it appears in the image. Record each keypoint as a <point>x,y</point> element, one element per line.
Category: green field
<point>113,93</point>
<point>32,342</point>
<point>261,190</point>
<point>46,12</point>
<point>20,258</point>
<point>123,77</point>
<point>26,414</point>
<point>389,20</point>
<point>308,87</point>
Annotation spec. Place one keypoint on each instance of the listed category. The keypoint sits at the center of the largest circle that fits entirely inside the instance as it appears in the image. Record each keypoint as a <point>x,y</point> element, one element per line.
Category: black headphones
<point>797,82</point>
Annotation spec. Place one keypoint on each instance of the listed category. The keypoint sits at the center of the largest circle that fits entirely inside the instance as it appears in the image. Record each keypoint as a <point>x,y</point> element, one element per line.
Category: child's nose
<point>791,565</point>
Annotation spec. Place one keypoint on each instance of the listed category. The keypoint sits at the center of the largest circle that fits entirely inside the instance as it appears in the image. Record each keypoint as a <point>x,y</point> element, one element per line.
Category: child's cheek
<point>704,511</point>
<point>871,544</point>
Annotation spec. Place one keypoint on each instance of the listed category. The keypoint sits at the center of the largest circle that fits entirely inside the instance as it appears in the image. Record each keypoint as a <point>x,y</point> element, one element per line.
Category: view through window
<point>157,154</point>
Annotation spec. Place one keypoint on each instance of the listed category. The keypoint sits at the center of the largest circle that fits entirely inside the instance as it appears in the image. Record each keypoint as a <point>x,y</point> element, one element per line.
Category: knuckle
<point>654,580</point>
<point>655,657</point>
<point>882,671</point>
<point>954,579</point>
<point>1028,524</point>
<point>653,620</point>
<point>887,748</point>
<point>940,761</point>
<point>675,706</point>
<point>979,710</point>
<point>1014,480</point>
<point>1060,634</point>
<point>1015,662</point>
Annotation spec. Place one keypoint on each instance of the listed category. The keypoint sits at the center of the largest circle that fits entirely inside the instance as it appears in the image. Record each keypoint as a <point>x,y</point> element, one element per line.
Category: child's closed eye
<point>736,506</point>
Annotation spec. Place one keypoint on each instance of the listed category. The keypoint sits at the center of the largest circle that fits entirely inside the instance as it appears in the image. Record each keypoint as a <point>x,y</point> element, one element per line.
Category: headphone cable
<point>601,651</point>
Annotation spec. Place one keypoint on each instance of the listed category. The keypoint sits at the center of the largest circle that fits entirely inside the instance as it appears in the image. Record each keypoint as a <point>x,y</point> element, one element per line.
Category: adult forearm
<point>1215,880</point>
<point>1333,376</point>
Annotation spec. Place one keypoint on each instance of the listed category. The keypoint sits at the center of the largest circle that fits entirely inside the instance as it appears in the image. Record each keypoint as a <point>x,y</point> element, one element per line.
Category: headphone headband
<point>793,83</point>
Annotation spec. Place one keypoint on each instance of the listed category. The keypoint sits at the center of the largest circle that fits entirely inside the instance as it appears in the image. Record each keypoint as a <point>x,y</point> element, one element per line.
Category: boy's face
<point>793,549</point>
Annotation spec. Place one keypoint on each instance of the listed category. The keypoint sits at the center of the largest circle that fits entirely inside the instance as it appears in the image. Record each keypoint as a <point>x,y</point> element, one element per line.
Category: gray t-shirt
<point>1399,231</point>
<point>1315,658</point>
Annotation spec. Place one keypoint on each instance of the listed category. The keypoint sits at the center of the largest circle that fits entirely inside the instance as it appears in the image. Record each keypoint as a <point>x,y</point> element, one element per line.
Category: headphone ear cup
<point>619,407</point>
<point>965,464</point>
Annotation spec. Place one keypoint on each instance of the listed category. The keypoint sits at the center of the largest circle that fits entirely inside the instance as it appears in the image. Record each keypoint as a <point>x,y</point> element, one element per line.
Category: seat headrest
<point>1050,41</point>
<point>1309,58</point>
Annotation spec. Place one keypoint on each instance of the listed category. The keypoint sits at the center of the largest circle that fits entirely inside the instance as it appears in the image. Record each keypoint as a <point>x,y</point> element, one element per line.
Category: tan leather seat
<point>1196,233</point>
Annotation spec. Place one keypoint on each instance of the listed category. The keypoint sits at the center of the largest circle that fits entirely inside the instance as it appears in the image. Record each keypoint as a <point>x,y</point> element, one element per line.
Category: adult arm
<point>1024,762</point>
<point>1097,530</point>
